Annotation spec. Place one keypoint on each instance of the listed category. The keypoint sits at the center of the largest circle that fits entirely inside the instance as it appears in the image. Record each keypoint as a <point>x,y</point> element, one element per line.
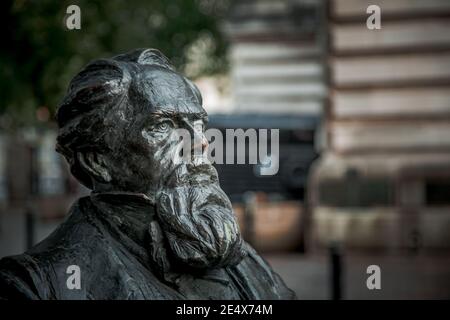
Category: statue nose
<point>199,143</point>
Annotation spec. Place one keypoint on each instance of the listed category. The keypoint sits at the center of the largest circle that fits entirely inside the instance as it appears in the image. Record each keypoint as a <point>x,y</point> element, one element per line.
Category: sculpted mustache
<point>192,174</point>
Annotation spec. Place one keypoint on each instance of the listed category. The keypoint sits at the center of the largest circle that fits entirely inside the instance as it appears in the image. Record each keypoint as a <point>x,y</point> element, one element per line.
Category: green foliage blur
<point>40,55</point>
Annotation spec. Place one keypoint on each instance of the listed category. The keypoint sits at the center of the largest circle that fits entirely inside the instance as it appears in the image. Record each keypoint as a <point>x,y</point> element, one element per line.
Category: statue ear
<point>94,165</point>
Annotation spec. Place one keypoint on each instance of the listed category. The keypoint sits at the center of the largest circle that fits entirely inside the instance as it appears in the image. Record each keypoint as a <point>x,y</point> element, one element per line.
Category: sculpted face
<point>120,131</point>
<point>162,103</point>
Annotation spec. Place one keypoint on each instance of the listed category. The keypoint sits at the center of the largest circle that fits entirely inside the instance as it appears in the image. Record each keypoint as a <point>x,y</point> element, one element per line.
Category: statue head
<point>118,118</point>
<point>119,130</point>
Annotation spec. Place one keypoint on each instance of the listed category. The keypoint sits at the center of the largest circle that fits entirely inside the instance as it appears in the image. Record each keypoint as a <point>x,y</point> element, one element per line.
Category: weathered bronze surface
<point>151,228</point>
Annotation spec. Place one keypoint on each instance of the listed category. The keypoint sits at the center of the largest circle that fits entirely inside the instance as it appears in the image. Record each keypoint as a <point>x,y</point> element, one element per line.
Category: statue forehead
<point>162,90</point>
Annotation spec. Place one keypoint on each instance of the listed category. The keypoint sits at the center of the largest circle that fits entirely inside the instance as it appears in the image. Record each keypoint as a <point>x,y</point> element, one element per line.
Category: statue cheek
<point>169,156</point>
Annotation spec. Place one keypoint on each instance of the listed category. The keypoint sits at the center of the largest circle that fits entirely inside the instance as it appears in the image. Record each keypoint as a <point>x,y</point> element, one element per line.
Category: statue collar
<point>123,198</point>
<point>128,217</point>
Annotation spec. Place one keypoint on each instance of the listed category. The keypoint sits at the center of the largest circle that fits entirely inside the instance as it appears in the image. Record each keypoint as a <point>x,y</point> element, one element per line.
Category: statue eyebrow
<point>171,114</point>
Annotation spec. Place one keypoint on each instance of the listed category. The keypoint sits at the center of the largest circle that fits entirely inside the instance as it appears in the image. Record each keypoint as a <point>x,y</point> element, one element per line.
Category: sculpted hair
<point>97,100</point>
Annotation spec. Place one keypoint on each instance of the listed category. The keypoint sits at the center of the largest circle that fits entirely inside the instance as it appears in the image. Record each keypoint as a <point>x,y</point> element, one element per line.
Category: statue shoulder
<point>80,229</point>
<point>42,270</point>
<point>18,278</point>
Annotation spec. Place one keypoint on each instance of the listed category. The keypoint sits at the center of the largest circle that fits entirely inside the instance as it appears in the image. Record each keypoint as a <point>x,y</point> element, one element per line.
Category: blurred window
<point>351,191</point>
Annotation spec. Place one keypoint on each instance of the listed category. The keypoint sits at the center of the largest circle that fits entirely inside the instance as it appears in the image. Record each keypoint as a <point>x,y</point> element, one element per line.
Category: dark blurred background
<point>364,119</point>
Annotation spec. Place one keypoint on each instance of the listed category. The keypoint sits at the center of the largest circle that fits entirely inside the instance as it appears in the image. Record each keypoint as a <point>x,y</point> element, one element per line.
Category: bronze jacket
<point>106,244</point>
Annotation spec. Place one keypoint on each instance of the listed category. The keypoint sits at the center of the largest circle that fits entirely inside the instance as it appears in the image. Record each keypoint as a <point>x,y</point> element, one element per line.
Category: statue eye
<point>163,126</point>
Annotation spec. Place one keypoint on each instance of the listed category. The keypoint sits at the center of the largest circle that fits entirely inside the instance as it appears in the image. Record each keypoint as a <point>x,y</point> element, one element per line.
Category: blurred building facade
<point>384,180</point>
<point>277,57</point>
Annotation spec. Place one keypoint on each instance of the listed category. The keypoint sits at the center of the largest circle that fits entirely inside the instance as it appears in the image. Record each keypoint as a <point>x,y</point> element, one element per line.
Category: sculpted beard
<point>196,220</point>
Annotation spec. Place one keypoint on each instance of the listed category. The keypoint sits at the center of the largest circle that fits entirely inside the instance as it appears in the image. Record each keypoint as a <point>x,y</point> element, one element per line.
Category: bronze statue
<point>151,228</point>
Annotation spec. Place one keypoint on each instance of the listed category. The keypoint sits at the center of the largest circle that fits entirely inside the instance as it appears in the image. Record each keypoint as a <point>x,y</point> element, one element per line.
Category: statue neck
<point>130,213</point>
